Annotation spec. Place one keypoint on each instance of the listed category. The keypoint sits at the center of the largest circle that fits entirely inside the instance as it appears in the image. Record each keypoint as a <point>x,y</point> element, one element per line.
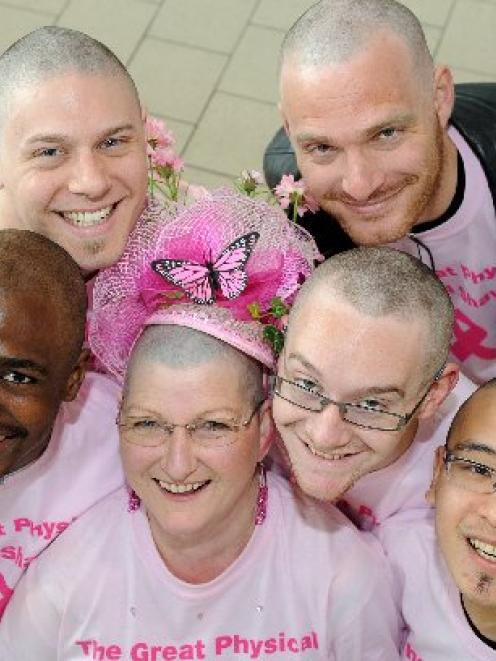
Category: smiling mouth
<point>329,456</point>
<point>88,218</point>
<point>486,551</point>
<point>175,488</point>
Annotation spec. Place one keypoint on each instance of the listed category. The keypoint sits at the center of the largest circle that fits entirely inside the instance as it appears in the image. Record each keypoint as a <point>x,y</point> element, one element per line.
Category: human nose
<point>327,429</point>
<point>361,176</point>
<point>89,176</point>
<point>178,458</point>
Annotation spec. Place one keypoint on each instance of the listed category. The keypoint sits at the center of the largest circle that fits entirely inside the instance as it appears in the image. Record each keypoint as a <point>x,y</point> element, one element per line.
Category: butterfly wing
<point>229,266</point>
<point>194,279</point>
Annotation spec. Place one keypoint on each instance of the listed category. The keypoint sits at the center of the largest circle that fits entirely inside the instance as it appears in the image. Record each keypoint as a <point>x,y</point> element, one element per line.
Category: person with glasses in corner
<point>445,567</point>
<point>364,392</point>
<point>206,556</point>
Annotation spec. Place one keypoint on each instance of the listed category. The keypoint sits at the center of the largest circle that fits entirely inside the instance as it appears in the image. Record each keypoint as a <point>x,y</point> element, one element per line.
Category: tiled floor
<point>209,66</point>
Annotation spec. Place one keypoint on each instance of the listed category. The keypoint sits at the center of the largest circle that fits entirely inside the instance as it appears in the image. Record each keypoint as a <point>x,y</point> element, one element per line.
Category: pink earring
<point>263,492</point>
<point>133,502</point>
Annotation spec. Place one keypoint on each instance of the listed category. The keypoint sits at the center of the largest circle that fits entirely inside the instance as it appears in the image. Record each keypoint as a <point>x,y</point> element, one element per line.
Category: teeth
<point>325,455</point>
<point>487,551</point>
<point>87,218</point>
<point>180,488</point>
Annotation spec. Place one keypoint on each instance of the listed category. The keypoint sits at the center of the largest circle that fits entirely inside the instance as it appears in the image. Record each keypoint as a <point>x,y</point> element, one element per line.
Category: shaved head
<point>181,347</point>
<point>31,263</point>
<point>52,51</point>
<point>333,31</point>
<point>379,282</point>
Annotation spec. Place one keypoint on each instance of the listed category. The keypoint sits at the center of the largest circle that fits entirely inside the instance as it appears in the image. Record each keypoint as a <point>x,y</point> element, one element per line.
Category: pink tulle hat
<point>206,267</point>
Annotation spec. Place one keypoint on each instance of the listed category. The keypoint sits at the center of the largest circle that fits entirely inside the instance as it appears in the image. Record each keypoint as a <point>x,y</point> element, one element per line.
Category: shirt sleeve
<point>30,626</point>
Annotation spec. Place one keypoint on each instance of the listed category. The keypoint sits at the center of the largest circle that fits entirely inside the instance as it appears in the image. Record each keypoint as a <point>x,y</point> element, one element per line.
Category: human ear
<point>267,429</point>
<point>430,495</point>
<point>76,377</point>
<point>440,389</point>
<point>444,94</point>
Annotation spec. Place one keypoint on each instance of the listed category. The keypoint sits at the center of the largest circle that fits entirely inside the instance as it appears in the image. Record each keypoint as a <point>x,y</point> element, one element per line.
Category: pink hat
<point>215,266</point>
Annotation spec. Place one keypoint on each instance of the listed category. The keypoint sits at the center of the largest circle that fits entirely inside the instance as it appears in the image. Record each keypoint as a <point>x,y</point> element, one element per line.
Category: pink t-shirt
<point>437,629</point>
<point>464,252</point>
<point>80,466</point>
<point>305,587</point>
<point>402,485</point>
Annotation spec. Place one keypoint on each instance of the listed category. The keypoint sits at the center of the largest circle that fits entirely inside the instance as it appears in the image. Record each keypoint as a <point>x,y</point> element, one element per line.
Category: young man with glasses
<point>450,559</point>
<point>361,397</point>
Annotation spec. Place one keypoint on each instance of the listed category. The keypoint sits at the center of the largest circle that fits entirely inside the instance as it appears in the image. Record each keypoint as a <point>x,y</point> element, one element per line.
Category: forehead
<point>21,333</point>
<point>72,102</point>
<point>213,383</point>
<point>376,82</point>
<point>477,422</point>
<point>343,343</point>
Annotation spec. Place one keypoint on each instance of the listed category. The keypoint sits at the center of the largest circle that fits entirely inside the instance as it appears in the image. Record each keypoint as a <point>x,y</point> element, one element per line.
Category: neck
<point>482,617</point>
<point>446,184</point>
<point>204,557</point>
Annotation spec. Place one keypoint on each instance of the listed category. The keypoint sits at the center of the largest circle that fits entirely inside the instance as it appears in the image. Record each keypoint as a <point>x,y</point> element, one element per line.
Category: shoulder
<point>86,540</point>
<point>97,402</point>
<point>409,538</point>
<point>326,538</point>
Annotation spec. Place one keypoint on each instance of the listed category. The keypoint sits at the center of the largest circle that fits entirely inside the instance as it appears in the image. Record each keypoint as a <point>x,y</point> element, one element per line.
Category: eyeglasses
<point>361,415</point>
<point>469,475</point>
<point>150,432</point>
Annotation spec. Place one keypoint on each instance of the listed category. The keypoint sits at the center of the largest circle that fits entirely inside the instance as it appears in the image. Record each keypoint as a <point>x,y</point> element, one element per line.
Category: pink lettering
<point>445,273</point>
<point>489,273</point>
<point>5,594</point>
<point>222,643</point>
<point>468,339</point>
<point>143,652</point>
<point>98,652</point>
<point>19,524</point>
<point>2,529</point>
<point>410,653</point>
<point>293,645</point>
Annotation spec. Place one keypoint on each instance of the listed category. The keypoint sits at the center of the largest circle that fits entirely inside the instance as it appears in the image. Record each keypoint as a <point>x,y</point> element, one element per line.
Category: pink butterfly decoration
<point>200,282</point>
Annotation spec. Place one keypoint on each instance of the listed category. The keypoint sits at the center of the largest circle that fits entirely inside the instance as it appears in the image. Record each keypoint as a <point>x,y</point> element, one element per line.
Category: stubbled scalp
<point>51,51</point>
<point>380,281</point>
<point>30,262</point>
<point>467,406</point>
<point>182,347</point>
<point>333,31</point>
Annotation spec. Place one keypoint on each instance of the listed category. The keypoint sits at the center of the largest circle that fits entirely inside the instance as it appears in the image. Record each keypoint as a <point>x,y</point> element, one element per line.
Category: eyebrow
<point>403,119</point>
<point>470,445</point>
<point>22,363</point>
<point>62,137</point>
<point>370,390</point>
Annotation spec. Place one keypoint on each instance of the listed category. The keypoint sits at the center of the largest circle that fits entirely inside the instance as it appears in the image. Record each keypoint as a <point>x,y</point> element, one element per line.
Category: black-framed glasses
<point>212,432</point>
<point>361,415</point>
<point>469,475</point>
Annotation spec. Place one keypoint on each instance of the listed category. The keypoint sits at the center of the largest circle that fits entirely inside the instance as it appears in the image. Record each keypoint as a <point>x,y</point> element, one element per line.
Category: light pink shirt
<point>80,466</point>
<point>437,629</point>
<point>305,587</point>
<point>402,485</point>
<point>464,252</point>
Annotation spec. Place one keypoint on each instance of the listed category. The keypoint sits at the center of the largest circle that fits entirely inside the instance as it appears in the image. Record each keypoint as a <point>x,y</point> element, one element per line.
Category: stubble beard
<point>372,234</point>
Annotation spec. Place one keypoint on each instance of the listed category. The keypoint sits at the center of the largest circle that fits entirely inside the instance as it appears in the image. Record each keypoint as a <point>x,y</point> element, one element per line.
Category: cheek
<point>137,461</point>
<point>35,189</point>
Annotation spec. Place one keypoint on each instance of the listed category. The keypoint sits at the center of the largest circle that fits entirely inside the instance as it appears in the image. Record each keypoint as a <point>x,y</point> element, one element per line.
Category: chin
<point>320,488</point>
